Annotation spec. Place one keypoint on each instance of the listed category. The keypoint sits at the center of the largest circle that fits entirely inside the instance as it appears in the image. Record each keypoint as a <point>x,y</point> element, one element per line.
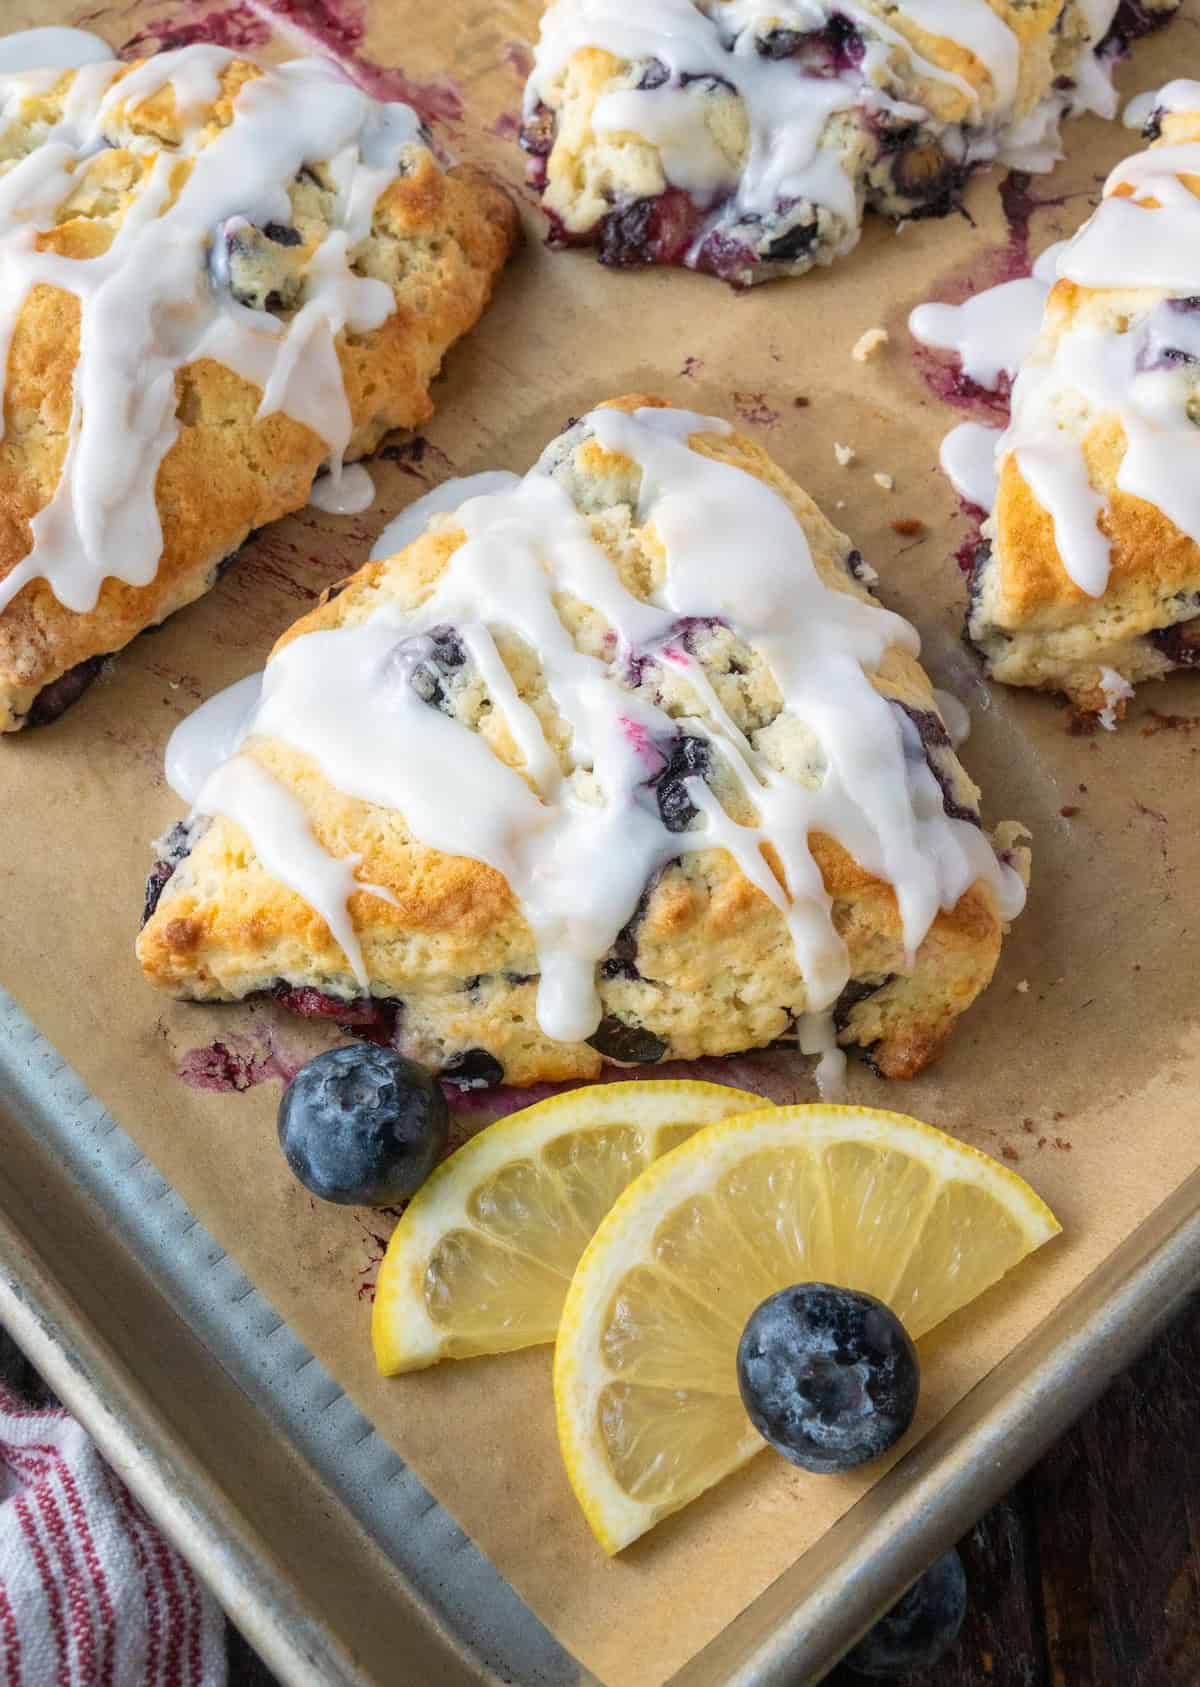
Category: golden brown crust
<point>715,964</point>
<point>1034,625</point>
<point>438,237</point>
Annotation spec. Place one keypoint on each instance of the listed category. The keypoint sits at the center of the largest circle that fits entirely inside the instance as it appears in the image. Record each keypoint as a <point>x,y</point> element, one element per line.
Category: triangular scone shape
<point>179,377</point>
<point>635,767</point>
<point>1088,579</point>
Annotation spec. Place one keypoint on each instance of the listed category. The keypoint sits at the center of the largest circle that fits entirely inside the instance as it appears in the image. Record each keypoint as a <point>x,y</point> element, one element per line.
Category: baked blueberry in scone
<point>1088,580</point>
<point>745,138</point>
<point>620,763</point>
<point>217,278</point>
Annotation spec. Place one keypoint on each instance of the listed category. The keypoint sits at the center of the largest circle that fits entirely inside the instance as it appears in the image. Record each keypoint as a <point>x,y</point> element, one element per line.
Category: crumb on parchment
<point>845,454</point>
<point>886,481</point>
<point>869,343</point>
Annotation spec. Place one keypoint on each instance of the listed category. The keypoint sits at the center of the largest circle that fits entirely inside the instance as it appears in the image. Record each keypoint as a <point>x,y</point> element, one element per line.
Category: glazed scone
<point>1088,578</point>
<point>217,278</point>
<point>622,762</point>
<point>745,138</point>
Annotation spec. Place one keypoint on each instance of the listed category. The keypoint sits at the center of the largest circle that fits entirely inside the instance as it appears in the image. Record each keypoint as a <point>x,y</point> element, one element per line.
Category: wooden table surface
<point>1087,1575</point>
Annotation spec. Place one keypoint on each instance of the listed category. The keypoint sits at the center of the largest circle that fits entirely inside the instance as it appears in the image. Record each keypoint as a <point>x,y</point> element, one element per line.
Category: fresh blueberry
<point>537,133</point>
<point>176,848</point>
<point>829,51</point>
<point>858,990</point>
<point>1133,19</point>
<point>650,231</point>
<point>689,758</point>
<point>923,174</point>
<point>1180,644</point>
<point>632,1044</point>
<point>797,242</point>
<point>362,1125</point>
<point>619,965</point>
<point>919,1627</point>
<point>156,883</point>
<point>55,699</point>
<point>706,81</point>
<point>621,960</point>
<point>473,1069</point>
<point>781,43</point>
<point>828,1376</point>
<point>430,659</point>
<point>930,742</point>
<point>283,234</point>
<point>247,262</point>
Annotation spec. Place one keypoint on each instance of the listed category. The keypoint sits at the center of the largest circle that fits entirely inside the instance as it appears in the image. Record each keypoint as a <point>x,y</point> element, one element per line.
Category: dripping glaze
<point>214,732</point>
<point>578,846</point>
<point>1144,235</point>
<point>699,44</point>
<point>148,303</point>
<point>1140,375</point>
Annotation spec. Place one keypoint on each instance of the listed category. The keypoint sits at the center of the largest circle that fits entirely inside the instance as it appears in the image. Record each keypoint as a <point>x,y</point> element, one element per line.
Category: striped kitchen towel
<point>91,1595</point>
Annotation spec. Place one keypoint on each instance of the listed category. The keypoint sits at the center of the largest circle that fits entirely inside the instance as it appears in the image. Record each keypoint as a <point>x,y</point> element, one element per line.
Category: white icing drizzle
<point>1127,243</point>
<point>50,49</point>
<point>1084,369</point>
<point>1092,74</point>
<point>579,847</point>
<point>816,1034</point>
<point>955,716</point>
<point>1116,690</point>
<point>210,735</point>
<point>286,847</point>
<point>148,305</point>
<point>1070,374</point>
<point>412,522</point>
<point>992,332</point>
<point>347,491</point>
<point>1182,95</point>
<point>787,108</point>
<point>968,459</point>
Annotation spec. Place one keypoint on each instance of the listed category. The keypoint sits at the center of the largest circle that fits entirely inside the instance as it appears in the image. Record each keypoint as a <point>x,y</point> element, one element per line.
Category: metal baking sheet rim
<point>791,1636</point>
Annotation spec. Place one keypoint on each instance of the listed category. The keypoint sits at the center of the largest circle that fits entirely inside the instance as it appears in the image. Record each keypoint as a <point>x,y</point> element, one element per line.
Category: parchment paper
<point>1080,1065</point>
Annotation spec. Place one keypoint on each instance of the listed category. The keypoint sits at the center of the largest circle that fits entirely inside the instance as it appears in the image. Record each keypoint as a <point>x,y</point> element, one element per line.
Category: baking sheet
<point>1083,1078</point>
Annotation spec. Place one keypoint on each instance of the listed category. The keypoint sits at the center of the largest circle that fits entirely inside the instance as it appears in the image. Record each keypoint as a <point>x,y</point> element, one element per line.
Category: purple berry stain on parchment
<point>753,408</point>
<point>335,29</point>
<point>238,27</point>
<point>234,1062</point>
<point>942,372</point>
<point>779,1075</point>
<point>1011,262</point>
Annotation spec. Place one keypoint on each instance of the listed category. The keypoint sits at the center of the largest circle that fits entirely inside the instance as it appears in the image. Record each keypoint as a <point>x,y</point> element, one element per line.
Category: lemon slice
<point>645,1375</point>
<point>483,1256</point>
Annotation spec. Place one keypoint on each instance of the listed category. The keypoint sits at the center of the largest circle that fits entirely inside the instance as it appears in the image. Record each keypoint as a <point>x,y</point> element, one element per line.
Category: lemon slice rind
<point>404,1335</point>
<point>625,1238</point>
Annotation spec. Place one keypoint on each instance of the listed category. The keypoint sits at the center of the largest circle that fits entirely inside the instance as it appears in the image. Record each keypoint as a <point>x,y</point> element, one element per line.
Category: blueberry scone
<point>621,761</point>
<point>1088,577</point>
<point>746,138</point>
<point>216,279</point>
